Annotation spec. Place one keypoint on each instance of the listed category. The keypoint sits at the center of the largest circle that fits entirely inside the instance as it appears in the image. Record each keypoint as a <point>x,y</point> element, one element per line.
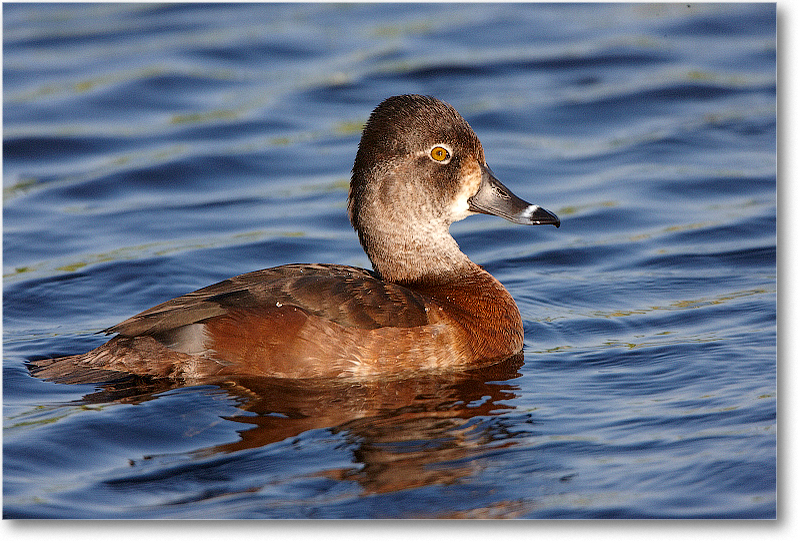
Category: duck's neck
<point>418,255</point>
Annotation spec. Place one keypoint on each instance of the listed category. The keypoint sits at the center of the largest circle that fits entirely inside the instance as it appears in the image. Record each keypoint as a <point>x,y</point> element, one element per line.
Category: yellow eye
<point>440,154</point>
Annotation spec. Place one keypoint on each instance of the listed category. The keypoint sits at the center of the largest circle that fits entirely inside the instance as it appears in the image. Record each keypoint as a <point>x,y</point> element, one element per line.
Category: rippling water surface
<point>150,150</point>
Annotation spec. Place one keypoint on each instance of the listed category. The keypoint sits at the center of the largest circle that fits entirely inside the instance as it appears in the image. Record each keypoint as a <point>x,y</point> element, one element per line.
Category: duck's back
<point>349,296</point>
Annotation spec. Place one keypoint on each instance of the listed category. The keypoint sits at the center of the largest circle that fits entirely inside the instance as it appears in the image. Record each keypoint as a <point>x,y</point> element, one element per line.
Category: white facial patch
<point>470,183</point>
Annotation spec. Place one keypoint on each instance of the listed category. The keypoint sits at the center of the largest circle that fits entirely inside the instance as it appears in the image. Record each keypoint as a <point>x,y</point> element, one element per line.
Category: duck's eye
<point>440,154</point>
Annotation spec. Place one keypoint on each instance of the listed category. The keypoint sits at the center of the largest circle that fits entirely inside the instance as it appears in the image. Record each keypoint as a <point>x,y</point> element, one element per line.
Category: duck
<point>425,306</point>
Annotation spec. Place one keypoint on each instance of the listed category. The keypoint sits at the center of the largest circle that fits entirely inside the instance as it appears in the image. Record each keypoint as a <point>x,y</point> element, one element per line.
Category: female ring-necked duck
<point>419,167</point>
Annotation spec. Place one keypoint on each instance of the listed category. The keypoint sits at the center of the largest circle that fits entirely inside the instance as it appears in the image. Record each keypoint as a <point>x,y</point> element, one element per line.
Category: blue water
<point>149,150</point>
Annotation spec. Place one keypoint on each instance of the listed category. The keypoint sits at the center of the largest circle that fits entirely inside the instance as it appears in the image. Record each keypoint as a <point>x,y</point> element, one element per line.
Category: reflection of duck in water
<point>392,434</point>
<point>365,407</point>
<point>427,306</point>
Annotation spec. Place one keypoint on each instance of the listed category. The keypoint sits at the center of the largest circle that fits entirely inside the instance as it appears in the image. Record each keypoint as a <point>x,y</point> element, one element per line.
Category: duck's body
<point>419,168</point>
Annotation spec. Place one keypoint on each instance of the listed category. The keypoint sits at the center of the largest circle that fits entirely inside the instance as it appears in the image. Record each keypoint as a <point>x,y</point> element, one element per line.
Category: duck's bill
<point>493,198</point>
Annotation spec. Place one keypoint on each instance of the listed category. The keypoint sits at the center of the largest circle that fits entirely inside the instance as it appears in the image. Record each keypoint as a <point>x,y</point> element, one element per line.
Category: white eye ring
<point>435,152</point>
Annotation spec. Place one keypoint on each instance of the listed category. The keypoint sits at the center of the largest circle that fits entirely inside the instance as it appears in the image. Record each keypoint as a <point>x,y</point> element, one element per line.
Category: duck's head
<point>419,168</point>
